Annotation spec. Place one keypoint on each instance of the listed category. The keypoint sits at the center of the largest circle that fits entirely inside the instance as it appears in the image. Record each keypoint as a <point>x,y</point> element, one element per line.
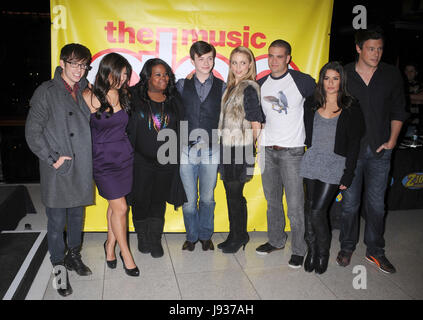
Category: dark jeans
<point>319,196</point>
<point>373,172</point>
<point>57,219</point>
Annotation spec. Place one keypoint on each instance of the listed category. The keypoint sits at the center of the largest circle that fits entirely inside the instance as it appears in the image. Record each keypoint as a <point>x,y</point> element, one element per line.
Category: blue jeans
<point>57,219</point>
<point>199,168</point>
<point>282,171</point>
<point>373,171</point>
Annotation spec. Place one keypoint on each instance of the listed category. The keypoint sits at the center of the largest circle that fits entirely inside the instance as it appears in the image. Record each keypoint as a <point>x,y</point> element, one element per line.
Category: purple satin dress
<point>112,155</point>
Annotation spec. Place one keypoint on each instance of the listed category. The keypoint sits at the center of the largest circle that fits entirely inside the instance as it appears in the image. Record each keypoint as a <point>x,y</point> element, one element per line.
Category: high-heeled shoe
<point>110,263</point>
<point>224,243</point>
<point>234,245</point>
<point>310,260</point>
<point>321,264</point>
<point>134,272</point>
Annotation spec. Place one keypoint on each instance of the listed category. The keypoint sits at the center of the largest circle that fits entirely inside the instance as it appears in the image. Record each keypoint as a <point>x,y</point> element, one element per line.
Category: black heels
<point>310,260</point>
<point>321,264</point>
<point>110,263</point>
<point>134,272</point>
<point>234,245</point>
<point>224,243</point>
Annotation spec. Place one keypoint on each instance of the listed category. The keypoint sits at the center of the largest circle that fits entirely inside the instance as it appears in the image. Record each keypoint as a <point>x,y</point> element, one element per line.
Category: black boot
<point>310,239</point>
<point>322,262</point>
<point>224,243</point>
<point>323,238</point>
<point>239,226</point>
<point>155,230</point>
<point>231,227</point>
<point>311,259</point>
<point>61,280</point>
<point>73,261</point>
<point>141,228</point>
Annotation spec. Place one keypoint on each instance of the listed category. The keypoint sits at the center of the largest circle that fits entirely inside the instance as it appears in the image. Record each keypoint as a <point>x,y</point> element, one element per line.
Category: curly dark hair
<point>142,86</point>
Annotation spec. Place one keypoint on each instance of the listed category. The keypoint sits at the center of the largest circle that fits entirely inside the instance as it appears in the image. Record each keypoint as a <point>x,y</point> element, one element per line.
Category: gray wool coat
<point>58,126</point>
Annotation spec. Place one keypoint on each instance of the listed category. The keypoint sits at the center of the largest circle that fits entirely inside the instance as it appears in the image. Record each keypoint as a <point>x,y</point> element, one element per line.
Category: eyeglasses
<point>80,65</point>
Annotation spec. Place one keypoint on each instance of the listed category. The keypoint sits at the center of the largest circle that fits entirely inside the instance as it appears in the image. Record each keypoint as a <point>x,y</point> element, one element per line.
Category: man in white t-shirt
<point>282,96</point>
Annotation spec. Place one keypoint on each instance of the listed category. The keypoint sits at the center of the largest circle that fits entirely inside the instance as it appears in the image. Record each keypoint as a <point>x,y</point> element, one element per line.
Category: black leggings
<point>319,196</point>
<point>150,191</point>
<point>237,209</point>
<point>234,189</point>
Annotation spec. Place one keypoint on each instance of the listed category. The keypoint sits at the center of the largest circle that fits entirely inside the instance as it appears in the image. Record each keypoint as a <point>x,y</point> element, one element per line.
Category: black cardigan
<point>349,131</point>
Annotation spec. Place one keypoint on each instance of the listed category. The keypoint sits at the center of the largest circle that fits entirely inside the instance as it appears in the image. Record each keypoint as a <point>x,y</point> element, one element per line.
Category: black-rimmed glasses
<point>80,65</point>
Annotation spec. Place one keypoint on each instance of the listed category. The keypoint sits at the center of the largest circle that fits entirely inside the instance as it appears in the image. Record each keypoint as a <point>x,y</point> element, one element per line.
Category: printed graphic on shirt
<point>157,121</point>
<point>279,103</point>
<point>282,104</point>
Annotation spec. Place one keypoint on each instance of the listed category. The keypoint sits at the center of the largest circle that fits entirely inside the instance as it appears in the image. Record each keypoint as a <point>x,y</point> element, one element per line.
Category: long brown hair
<point>344,97</point>
<point>108,76</point>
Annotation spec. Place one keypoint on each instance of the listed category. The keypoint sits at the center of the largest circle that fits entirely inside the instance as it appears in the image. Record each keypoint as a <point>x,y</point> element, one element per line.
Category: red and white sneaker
<point>382,263</point>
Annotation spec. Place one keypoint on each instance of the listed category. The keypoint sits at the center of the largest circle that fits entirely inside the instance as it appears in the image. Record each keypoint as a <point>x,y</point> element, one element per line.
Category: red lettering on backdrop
<point>123,30</point>
<point>145,35</point>
<point>214,42</point>
<point>219,38</point>
<point>236,41</point>
<point>110,28</point>
<point>246,36</point>
<point>254,42</point>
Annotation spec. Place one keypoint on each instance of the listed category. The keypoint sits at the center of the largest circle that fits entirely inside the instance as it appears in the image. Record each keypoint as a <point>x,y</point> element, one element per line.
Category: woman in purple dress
<point>108,101</point>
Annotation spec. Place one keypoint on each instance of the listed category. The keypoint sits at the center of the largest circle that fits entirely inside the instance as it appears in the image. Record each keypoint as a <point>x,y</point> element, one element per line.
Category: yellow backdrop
<point>142,29</point>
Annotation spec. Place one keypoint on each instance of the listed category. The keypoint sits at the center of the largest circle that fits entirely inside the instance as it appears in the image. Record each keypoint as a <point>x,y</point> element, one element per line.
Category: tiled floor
<point>212,275</point>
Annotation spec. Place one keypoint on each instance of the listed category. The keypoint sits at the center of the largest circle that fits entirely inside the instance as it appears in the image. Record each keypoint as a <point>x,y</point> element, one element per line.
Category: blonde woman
<point>239,125</point>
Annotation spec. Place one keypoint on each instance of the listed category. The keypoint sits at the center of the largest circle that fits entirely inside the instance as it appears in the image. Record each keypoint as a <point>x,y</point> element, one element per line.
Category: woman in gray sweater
<point>334,126</point>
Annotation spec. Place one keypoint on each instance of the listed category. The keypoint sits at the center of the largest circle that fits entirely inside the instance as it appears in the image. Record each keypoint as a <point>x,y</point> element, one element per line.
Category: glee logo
<point>413,180</point>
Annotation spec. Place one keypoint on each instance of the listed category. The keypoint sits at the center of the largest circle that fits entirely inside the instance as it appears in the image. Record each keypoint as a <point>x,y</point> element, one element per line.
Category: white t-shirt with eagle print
<point>282,100</point>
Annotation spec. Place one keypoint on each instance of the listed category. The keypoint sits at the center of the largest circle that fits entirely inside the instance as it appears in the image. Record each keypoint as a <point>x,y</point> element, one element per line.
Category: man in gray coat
<point>57,130</point>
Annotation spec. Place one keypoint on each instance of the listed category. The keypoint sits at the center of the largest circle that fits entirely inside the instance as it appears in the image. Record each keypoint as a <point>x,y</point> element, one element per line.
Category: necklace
<point>113,105</point>
<point>109,100</point>
<point>160,121</point>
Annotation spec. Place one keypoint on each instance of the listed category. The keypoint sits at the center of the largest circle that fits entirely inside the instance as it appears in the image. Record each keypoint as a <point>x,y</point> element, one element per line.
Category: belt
<point>277,148</point>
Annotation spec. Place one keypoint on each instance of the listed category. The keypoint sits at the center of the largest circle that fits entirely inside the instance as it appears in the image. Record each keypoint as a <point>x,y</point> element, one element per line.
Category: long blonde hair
<point>251,74</point>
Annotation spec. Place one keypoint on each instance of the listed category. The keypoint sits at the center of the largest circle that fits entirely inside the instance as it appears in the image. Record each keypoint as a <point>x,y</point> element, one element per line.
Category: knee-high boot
<point>310,239</point>
<point>231,227</point>
<point>155,230</point>
<point>239,226</point>
<point>141,228</point>
<point>323,239</point>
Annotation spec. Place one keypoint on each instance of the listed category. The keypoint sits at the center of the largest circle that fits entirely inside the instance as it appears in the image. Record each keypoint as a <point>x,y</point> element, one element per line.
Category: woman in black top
<point>156,112</point>
<point>334,125</point>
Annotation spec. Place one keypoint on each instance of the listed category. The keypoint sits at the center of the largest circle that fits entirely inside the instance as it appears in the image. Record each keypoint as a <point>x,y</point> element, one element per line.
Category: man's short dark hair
<point>282,44</point>
<point>200,48</point>
<point>373,33</point>
<point>75,52</point>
